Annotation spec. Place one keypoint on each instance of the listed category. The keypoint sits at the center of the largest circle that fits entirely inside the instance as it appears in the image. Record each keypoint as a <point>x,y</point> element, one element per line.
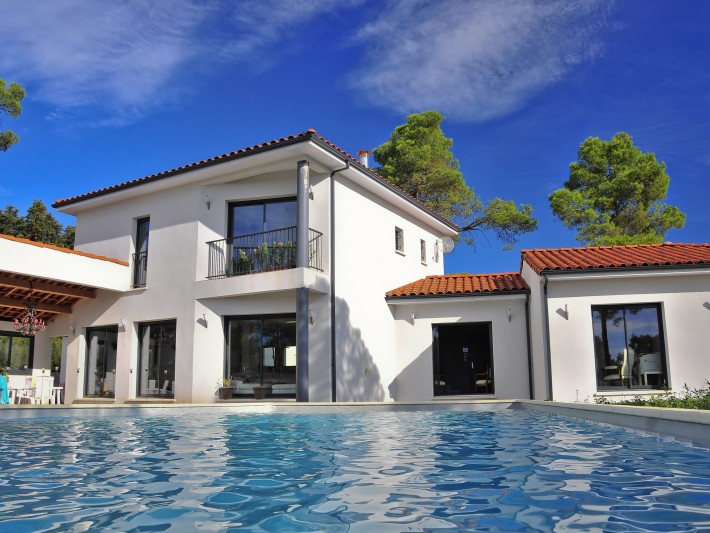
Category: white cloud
<point>474,60</point>
<point>120,55</point>
<point>119,61</point>
<point>123,60</point>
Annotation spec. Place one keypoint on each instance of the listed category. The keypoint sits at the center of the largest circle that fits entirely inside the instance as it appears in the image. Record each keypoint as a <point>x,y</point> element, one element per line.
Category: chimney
<point>363,154</point>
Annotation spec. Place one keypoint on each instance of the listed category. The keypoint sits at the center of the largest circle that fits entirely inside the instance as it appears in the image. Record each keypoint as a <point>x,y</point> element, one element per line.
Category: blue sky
<point>120,90</point>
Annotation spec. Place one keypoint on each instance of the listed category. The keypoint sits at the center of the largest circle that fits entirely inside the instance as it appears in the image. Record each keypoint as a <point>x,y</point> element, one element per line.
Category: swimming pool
<point>363,471</point>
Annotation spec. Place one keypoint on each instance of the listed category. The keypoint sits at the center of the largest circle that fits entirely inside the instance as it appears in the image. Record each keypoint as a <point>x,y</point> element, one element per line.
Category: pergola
<point>49,297</point>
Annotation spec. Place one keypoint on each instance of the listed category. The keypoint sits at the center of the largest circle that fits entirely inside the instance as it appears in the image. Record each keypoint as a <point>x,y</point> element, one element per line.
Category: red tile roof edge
<point>625,257</point>
<point>307,135</point>
<point>60,249</point>
<point>422,288</point>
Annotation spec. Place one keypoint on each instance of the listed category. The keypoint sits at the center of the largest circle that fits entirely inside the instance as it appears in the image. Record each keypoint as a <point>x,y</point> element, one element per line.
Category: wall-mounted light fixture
<point>566,313</point>
<point>204,319</point>
<point>413,316</point>
<point>72,329</point>
<point>123,324</point>
<point>208,202</point>
<point>310,316</point>
<point>510,314</point>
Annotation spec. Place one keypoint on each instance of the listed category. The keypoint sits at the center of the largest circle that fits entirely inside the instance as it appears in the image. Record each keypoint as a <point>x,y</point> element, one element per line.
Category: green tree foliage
<point>10,98</point>
<point>37,225</point>
<point>614,195</point>
<point>418,158</point>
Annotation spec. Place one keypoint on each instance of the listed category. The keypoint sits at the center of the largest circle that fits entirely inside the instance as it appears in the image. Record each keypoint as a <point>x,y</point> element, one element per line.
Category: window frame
<point>30,355</point>
<point>399,240</point>
<point>422,251</point>
<point>629,371</point>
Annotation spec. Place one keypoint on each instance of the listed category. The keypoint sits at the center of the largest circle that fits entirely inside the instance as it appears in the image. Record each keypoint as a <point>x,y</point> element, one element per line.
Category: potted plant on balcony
<point>225,389</point>
<point>289,254</point>
<point>262,256</point>
<point>245,262</point>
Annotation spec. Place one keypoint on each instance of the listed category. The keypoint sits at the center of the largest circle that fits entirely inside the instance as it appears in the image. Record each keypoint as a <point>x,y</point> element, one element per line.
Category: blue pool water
<point>374,471</point>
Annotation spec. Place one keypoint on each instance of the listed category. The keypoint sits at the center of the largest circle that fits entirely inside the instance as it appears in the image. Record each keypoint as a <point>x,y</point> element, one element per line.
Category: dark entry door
<point>461,352</point>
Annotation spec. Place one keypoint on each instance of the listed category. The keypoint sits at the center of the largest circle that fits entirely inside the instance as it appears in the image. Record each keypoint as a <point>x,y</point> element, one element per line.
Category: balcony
<point>261,252</point>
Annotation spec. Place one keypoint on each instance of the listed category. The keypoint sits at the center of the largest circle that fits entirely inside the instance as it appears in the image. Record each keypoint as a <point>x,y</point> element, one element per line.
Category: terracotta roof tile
<point>461,284</point>
<point>309,134</point>
<point>65,250</point>
<point>640,256</point>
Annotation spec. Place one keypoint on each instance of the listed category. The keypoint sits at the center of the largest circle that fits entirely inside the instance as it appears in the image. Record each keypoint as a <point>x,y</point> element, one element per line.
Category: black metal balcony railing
<point>140,269</point>
<point>260,252</point>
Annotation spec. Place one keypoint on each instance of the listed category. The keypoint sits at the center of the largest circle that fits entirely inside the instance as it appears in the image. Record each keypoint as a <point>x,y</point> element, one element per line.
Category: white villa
<point>292,267</point>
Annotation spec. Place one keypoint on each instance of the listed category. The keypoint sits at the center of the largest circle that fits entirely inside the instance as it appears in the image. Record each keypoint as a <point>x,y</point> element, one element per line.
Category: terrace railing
<point>140,269</point>
<point>261,252</point>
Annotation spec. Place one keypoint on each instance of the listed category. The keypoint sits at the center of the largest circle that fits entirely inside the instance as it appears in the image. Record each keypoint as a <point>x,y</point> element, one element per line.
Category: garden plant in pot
<point>225,388</point>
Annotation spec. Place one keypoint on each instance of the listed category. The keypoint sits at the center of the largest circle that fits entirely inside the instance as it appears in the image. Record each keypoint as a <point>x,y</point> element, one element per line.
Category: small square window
<point>422,247</point>
<point>399,239</point>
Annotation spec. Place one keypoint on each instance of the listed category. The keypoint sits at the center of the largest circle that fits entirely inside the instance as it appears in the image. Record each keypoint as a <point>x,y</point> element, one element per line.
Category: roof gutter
<point>612,272</point>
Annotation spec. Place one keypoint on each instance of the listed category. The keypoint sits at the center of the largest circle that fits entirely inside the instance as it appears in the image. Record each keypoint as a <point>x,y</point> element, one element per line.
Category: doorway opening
<point>463,359</point>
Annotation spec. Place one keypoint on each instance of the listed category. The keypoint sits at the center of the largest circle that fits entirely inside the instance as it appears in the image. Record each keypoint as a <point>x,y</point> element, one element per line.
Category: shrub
<point>688,399</point>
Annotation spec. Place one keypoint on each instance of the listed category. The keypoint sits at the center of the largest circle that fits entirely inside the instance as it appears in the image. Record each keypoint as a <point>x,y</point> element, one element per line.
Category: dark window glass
<point>140,258</point>
<point>259,217</point>
<point>100,378</point>
<point>15,352</point>
<point>262,350</point>
<point>157,358</point>
<point>398,239</point>
<point>628,346</point>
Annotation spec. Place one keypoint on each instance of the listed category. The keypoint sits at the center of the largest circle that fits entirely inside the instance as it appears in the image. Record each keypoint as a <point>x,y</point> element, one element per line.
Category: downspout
<point>546,331</point>
<point>333,383</point>
<point>531,382</point>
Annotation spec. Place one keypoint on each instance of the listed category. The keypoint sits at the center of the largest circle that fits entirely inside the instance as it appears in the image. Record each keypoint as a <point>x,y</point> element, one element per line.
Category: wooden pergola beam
<point>7,280</point>
<point>44,307</point>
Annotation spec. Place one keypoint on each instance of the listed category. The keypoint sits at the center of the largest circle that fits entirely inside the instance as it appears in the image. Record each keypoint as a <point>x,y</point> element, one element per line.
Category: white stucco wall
<point>367,266</point>
<point>414,381</point>
<point>684,297</point>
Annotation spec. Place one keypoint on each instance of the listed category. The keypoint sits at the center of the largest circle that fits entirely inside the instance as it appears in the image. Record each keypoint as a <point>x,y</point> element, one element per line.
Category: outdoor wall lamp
<point>566,313</point>
<point>310,316</point>
<point>510,315</point>
<point>208,202</point>
<point>72,329</point>
<point>413,317</point>
<point>204,319</point>
<point>123,324</point>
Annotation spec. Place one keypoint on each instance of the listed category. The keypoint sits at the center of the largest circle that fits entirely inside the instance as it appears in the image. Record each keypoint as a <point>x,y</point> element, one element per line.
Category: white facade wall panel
<point>414,342</point>
<point>367,266</point>
<point>683,296</point>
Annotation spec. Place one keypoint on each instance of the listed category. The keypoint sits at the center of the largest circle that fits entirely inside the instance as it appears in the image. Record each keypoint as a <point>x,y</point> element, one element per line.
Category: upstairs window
<point>140,258</point>
<point>422,249</point>
<point>399,240</point>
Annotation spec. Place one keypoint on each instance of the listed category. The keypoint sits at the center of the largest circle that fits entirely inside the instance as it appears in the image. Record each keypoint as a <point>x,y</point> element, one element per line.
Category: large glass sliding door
<point>262,350</point>
<point>100,378</point>
<point>157,359</point>
<point>628,346</point>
